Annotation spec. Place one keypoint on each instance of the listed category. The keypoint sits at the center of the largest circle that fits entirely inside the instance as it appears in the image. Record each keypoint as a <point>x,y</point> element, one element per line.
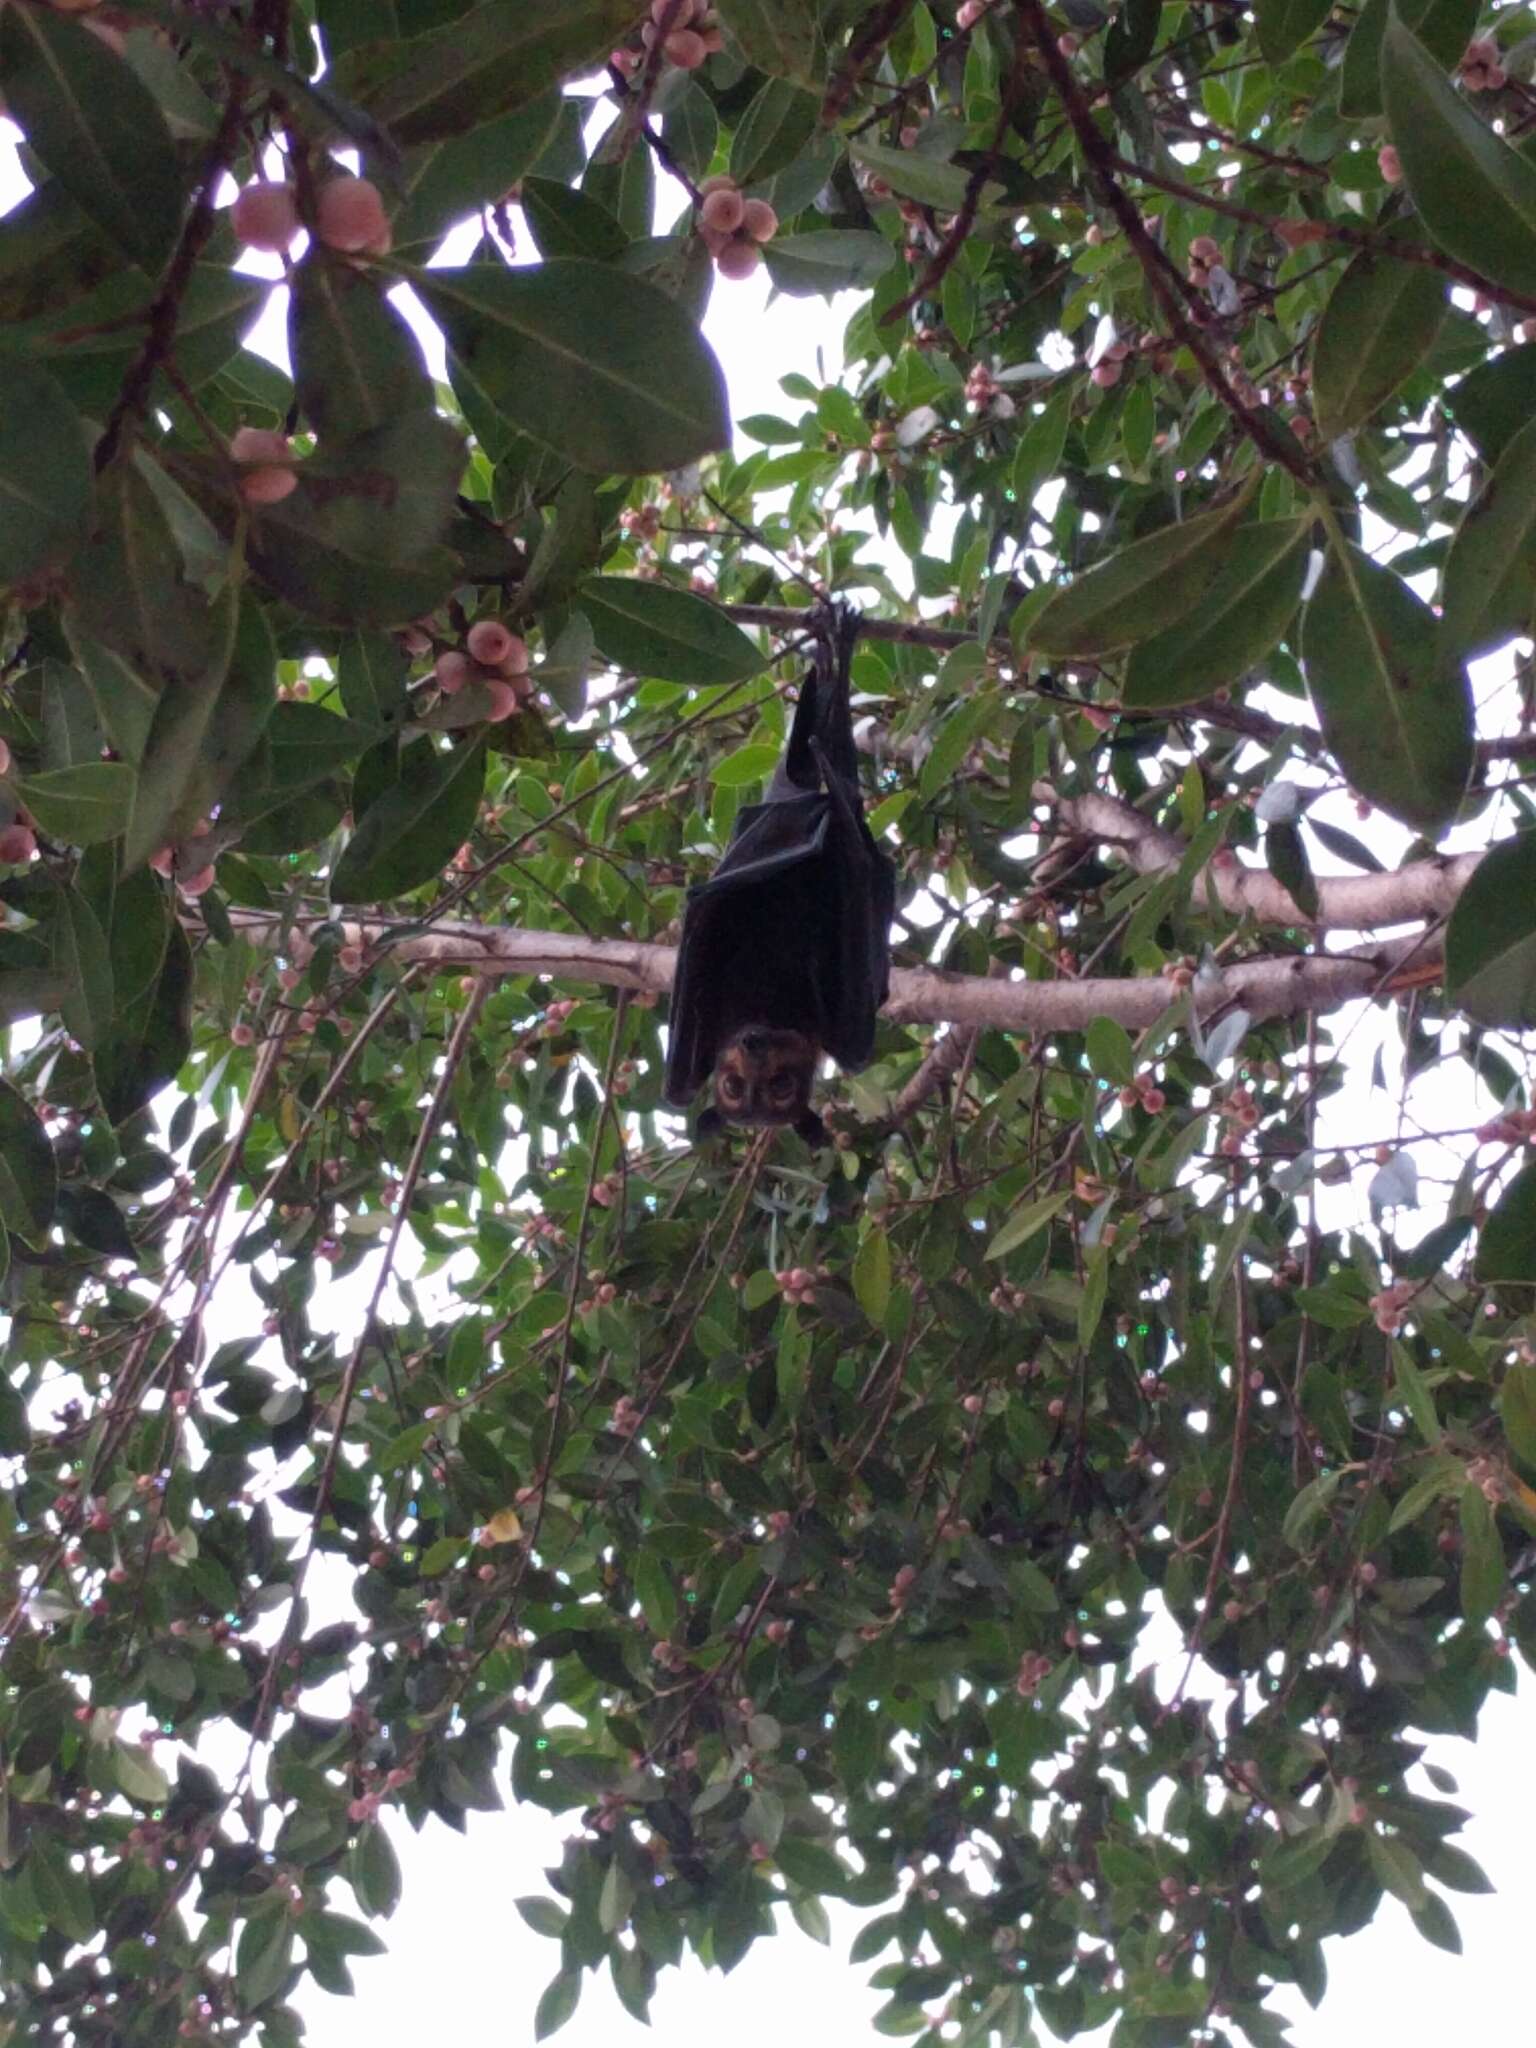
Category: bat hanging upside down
<point>785,954</point>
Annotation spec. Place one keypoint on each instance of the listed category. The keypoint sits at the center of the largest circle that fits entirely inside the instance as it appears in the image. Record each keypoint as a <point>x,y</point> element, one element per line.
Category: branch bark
<point>1281,987</point>
<point>1425,889</point>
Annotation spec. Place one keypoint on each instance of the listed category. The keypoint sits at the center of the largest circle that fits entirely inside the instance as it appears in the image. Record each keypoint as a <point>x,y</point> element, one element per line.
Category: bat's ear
<point>809,1126</point>
<point>708,1124</point>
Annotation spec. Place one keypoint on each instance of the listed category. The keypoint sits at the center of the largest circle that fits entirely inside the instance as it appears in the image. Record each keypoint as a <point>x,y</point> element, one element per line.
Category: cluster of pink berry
<point>1480,68</point>
<point>494,657</point>
<point>1204,255</point>
<point>627,1416</point>
<point>692,33</point>
<point>266,459</point>
<point>1389,1307</point>
<point>349,217</point>
<point>1110,367</point>
<point>980,387</point>
<point>1144,1089</point>
<point>734,229</point>
<point>798,1283</point>
<point>1514,1127</point>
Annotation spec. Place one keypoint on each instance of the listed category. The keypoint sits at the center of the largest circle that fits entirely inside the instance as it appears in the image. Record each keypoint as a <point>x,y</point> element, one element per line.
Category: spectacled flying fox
<point>785,954</point>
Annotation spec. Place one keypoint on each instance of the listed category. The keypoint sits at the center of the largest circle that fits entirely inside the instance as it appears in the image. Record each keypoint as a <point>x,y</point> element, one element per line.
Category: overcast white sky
<point>460,1957</point>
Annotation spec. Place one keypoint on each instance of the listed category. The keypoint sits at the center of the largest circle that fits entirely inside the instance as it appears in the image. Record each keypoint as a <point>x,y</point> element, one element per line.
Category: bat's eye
<point>782,1088</point>
<point>730,1090</point>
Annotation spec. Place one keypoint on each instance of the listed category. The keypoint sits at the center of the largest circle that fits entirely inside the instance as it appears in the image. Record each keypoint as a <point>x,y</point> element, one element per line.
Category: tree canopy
<point>400,1416</point>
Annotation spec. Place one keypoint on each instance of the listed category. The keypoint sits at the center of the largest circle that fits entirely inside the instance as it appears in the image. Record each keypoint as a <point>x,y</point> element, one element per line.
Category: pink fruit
<point>196,883</point>
<point>504,700</point>
<point>241,1034</point>
<point>1106,374</point>
<point>1205,249</point>
<point>350,216</point>
<point>685,48</point>
<point>738,260</point>
<point>722,211</point>
<point>260,444</point>
<point>267,486</point>
<point>969,13</point>
<point>488,642</point>
<point>452,671</point>
<point>17,843</point>
<point>265,216</point>
<point>759,220</point>
<point>1390,164</point>
<point>1068,45</point>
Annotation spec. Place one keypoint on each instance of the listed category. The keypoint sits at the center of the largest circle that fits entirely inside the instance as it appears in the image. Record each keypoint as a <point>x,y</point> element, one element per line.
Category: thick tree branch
<point>1426,889</point>
<point>1281,987</point>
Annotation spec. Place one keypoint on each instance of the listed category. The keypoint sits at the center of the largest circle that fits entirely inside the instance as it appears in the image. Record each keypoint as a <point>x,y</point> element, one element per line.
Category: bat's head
<point>764,1075</point>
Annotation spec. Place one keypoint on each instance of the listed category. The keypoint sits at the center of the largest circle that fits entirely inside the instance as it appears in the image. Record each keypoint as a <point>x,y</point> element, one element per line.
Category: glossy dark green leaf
<point>129,589</point>
<point>151,1036</point>
<point>1495,400</point>
<point>1475,194</point>
<point>557,2004</point>
<point>356,364</point>
<point>51,253</point>
<point>565,221</point>
<point>1483,1576</point>
<point>373,1870</point>
<point>1380,322</point>
<point>1285,855</point>
<point>614,396</point>
<point>1141,590</point>
<point>81,806</point>
<point>915,175</point>
<point>1241,617</point>
<point>1443,26</point>
<point>412,831</point>
<point>97,128</point>
<point>1488,595</point>
<point>91,344</point>
<point>780,37</point>
<point>83,960</point>
<point>1506,1247</point>
<point>372,672</point>
<point>776,126</point>
<point>448,181</point>
<point>1490,943</point>
<point>1395,710</point>
<point>28,1176</point>
<point>93,1219</point>
<point>1517,1412</point>
<point>831,260</point>
<point>653,630</point>
<point>45,473</point>
<point>1284,25</point>
<point>263,1959</point>
<point>488,63</point>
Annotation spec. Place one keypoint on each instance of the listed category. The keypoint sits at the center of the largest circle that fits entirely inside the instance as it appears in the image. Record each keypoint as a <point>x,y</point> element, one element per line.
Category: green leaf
<point>747,765</point>
<point>1380,322</point>
<point>412,831</point>
<point>872,1276</point>
<point>1490,942</point>
<point>1285,856</point>
<point>263,1958</point>
<point>450,180</point>
<point>1023,1223</point>
<point>916,175</point>
<point>1397,1868</point>
<point>1240,619</point>
<point>129,590</point>
<point>1038,457</point>
<point>1489,589</point>
<point>776,126</point>
<point>1475,194</point>
<point>565,221</point>
<point>1284,25</point>
<point>1141,590</point>
<point>1445,27</point>
<point>557,2004</point>
<point>1417,1397</point>
<point>356,364</point>
<point>1494,400</point>
<point>168,788</point>
<point>96,127</point>
<point>81,806</point>
<point>81,956</point>
<point>152,1034</point>
<point>1395,711</point>
<point>827,261</point>
<point>138,1775</point>
<point>1483,1576</point>
<point>544,1916</point>
<point>1111,1056</point>
<point>777,36</point>
<point>29,1178</point>
<point>613,396</point>
<point>1506,1246</point>
<point>372,670</point>
<point>1517,1411</point>
<point>489,62</point>
<point>1435,1921</point>
<point>653,630</point>
<point>45,473</point>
